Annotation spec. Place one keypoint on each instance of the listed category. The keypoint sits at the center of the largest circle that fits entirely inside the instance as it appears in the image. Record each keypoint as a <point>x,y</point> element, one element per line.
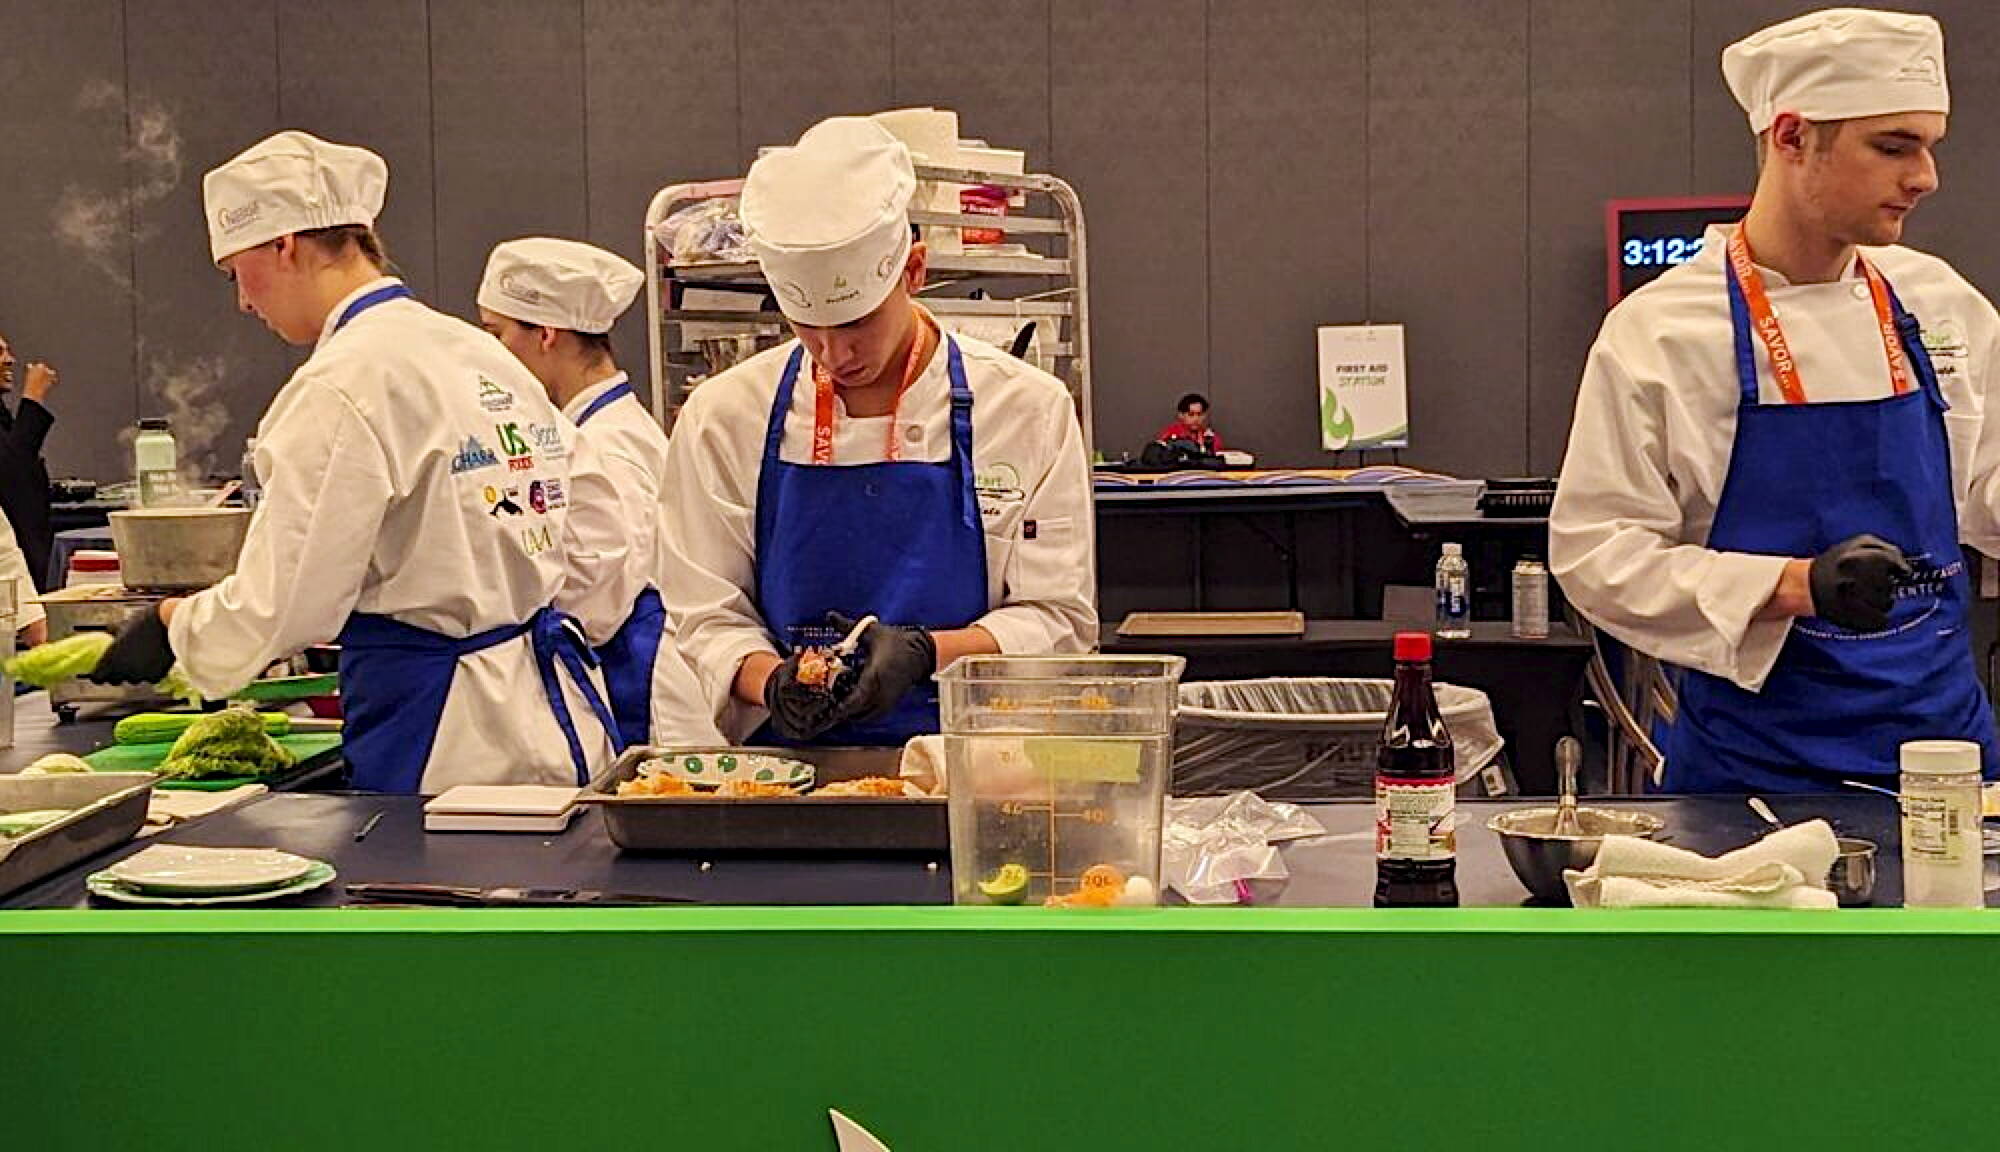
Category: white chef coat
<point>385,461</point>
<point>1656,422</point>
<point>632,449</point>
<point>1029,468</point>
<point>14,569</point>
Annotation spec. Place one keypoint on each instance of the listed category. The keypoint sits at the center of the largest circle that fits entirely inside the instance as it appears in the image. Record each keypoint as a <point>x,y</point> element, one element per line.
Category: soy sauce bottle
<point>1416,850</point>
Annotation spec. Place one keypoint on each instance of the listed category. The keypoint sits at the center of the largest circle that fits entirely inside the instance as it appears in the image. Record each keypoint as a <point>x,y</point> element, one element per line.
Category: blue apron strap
<point>558,640</point>
<point>1739,322</point>
<point>1911,334</point>
<point>610,396</point>
<point>774,430</point>
<point>381,295</point>
<point>961,435</point>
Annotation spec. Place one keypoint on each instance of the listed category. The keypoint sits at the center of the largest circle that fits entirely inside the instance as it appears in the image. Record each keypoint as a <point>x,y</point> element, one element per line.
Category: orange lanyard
<point>822,448</point>
<point>1764,322</point>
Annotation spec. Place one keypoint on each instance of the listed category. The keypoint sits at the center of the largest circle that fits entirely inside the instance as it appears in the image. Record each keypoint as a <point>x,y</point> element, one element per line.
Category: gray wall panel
<point>660,108</point>
<point>1448,163</point>
<point>805,60</point>
<point>989,61</point>
<point>507,99</point>
<point>1956,221</point>
<point>1288,208</point>
<point>67,297</point>
<point>204,84</point>
<point>1597,65</point>
<point>1725,155</point>
<point>1130,133</point>
<point>358,72</point>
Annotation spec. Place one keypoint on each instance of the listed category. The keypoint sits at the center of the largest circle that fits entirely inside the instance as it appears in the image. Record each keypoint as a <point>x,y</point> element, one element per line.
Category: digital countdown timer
<point>1644,238</point>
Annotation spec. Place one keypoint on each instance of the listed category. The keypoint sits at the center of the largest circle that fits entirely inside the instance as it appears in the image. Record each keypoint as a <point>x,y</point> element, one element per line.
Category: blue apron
<point>1838,704</point>
<point>396,677</point>
<point>899,539</point>
<point>630,653</point>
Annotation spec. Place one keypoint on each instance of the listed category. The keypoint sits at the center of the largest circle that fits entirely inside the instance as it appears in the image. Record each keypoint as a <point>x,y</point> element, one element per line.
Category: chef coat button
<point>914,433</point>
<point>1860,291</point>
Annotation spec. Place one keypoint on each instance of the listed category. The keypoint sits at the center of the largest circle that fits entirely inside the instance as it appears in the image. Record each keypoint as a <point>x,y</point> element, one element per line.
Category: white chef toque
<point>291,182</point>
<point>1839,64</point>
<point>559,284</point>
<point>829,219</point>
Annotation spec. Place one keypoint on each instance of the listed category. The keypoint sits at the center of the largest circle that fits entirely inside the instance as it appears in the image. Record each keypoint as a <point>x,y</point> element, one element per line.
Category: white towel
<point>1786,869</point>
<point>923,764</point>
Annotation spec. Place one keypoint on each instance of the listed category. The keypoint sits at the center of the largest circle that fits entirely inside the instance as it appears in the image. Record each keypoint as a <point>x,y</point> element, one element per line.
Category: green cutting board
<point>304,747</point>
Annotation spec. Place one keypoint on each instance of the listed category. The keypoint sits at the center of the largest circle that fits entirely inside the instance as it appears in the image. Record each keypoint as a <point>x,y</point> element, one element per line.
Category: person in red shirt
<point>1193,425</point>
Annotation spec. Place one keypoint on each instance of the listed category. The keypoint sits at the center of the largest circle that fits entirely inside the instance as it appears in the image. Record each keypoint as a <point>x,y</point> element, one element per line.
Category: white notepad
<point>501,808</point>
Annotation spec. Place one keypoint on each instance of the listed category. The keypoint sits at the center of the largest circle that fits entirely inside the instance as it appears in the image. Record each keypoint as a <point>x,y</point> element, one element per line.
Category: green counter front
<point>956,1028</point>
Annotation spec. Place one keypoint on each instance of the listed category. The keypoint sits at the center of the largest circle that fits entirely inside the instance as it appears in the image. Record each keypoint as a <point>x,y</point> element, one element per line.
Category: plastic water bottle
<point>156,463</point>
<point>251,490</point>
<point>1454,594</point>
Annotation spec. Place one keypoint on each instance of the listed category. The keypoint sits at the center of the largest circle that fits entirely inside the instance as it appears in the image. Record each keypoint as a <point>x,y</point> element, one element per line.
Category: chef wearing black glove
<point>140,654</point>
<point>799,711</point>
<point>893,661</point>
<point>1854,582</point>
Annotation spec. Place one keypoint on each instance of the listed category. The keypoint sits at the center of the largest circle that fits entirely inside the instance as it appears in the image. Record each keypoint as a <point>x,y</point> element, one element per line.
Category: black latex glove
<point>893,661</point>
<point>1854,582</point>
<point>798,711</point>
<point>140,654</point>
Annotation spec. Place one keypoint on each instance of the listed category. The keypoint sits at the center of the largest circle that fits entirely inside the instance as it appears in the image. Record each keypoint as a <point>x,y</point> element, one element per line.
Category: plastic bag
<point>705,232</point>
<point>1215,846</point>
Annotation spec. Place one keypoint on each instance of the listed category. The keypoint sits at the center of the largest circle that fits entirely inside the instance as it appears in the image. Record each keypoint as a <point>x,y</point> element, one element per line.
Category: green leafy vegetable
<point>48,665</point>
<point>231,742</point>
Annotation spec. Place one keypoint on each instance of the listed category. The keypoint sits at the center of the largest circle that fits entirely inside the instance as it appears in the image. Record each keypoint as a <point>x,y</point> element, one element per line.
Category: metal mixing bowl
<point>1539,856</point>
<point>1853,877</point>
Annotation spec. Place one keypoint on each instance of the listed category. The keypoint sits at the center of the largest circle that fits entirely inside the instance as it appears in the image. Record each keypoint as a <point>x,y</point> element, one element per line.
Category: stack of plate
<point>175,874</point>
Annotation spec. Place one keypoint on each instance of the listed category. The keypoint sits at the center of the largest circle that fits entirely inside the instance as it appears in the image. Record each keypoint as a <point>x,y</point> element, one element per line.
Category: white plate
<point>171,868</point>
<point>318,874</point>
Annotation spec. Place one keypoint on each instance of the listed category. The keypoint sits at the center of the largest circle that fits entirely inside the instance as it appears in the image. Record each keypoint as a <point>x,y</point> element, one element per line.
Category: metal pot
<point>1539,856</point>
<point>178,549</point>
<point>1853,877</point>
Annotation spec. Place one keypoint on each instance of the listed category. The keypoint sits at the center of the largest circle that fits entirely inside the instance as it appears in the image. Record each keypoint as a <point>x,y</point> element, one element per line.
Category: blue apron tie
<point>1803,477</point>
<point>395,679</point>
<point>901,540</point>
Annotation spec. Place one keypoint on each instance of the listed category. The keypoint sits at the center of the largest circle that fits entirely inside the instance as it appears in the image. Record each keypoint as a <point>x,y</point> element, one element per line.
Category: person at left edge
<point>874,465</point>
<point>397,465</point>
<point>552,303</point>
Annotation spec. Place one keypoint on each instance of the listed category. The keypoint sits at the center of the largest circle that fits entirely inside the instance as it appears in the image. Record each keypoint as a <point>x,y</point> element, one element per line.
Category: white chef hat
<point>291,182</point>
<point>829,219</point>
<point>1839,64</point>
<point>559,283</point>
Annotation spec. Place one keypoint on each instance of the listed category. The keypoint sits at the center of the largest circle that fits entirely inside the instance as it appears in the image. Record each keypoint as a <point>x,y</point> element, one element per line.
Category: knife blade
<point>452,896</point>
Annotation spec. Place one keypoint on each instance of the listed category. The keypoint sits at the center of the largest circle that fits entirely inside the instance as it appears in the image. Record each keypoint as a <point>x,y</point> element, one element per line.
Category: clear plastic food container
<point>1057,770</point>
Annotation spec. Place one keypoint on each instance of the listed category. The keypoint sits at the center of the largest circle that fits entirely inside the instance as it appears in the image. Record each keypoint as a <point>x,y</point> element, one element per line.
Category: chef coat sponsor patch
<point>520,457</point>
<point>552,493</point>
<point>548,440</point>
<point>499,500</point>
<point>473,456</point>
<point>999,487</point>
<point>493,397</point>
<point>537,539</point>
<point>1947,345</point>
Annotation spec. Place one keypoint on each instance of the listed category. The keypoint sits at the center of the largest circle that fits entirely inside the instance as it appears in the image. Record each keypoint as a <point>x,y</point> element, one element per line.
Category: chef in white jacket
<point>875,465</point>
<point>1779,446</point>
<point>552,303</point>
<point>416,483</point>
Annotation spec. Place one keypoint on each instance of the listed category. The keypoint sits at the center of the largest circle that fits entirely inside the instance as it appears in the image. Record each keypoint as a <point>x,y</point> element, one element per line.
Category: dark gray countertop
<point>1332,871</point>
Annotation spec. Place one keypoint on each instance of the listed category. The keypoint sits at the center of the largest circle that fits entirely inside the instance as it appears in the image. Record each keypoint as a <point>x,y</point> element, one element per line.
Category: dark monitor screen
<point>1644,238</point>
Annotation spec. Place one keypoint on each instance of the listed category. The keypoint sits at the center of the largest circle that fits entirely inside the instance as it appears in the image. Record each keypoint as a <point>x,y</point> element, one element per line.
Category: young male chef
<point>552,303</point>
<point>873,466</point>
<point>399,467</point>
<point>1779,446</point>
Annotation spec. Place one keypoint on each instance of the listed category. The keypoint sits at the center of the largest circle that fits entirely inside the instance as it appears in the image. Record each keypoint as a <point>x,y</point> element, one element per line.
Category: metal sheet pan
<point>680,825</point>
<point>108,808</point>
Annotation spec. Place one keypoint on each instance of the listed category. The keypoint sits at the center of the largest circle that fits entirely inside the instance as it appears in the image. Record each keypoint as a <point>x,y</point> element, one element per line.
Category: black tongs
<point>448,896</point>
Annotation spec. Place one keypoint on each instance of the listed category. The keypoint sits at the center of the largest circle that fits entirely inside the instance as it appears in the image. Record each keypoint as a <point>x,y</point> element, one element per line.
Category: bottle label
<point>1413,819</point>
<point>1935,829</point>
